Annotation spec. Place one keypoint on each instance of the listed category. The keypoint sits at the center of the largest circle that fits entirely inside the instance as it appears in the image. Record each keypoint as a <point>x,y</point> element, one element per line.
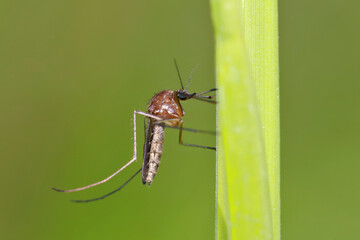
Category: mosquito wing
<point>147,144</point>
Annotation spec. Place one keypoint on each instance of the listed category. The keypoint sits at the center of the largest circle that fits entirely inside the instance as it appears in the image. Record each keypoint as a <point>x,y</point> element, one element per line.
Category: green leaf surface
<point>248,202</point>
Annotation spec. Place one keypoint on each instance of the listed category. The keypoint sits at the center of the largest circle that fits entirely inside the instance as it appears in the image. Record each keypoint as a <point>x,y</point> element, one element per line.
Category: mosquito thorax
<point>166,105</point>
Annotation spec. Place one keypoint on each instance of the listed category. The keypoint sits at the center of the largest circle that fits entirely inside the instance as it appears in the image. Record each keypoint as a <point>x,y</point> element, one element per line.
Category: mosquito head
<point>184,95</point>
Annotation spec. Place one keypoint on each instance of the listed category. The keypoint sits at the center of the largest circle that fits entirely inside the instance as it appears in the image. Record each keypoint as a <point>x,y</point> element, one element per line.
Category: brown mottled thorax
<point>166,105</point>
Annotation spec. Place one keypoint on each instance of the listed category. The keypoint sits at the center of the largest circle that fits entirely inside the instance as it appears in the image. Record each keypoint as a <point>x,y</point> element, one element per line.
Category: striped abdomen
<point>152,152</point>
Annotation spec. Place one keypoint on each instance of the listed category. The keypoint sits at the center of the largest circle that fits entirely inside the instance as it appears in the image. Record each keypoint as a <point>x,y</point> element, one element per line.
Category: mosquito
<point>164,110</point>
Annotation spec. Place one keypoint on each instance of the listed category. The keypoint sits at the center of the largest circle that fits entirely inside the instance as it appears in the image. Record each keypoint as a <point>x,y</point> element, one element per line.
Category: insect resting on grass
<point>164,110</point>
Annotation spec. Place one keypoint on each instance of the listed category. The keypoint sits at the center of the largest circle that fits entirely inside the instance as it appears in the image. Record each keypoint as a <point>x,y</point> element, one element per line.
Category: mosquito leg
<point>211,90</point>
<point>110,193</point>
<point>190,145</point>
<point>205,100</point>
<point>200,96</point>
<point>193,130</point>
<point>112,175</point>
<point>148,115</point>
<point>207,97</point>
<point>166,121</point>
<point>185,129</point>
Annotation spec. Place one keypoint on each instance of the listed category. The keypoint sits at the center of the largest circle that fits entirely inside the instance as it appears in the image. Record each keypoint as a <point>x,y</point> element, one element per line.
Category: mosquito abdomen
<point>156,150</point>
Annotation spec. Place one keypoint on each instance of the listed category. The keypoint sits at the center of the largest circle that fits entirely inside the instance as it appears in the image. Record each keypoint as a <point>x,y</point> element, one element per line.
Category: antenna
<point>190,76</point>
<point>177,69</point>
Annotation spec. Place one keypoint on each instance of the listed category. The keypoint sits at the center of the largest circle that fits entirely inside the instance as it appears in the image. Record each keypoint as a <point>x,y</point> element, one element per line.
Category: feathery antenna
<point>190,76</point>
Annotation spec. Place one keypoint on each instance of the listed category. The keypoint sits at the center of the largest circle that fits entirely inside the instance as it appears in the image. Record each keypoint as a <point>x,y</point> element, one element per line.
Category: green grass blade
<point>248,202</point>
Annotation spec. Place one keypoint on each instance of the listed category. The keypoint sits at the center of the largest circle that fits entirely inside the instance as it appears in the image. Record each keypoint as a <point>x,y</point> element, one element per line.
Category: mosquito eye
<point>181,96</point>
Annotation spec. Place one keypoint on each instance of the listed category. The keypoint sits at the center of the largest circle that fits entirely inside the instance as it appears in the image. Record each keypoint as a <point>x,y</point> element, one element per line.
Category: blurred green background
<point>72,72</point>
